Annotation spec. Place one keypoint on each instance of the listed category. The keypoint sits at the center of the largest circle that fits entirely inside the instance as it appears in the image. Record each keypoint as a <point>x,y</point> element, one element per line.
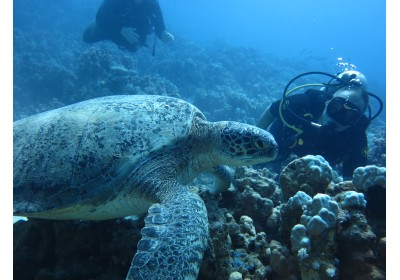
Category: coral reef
<point>368,177</point>
<point>310,174</point>
<point>291,213</point>
<point>371,180</point>
<point>358,247</point>
<point>377,143</point>
<point>283,263</point>
<point>313,241</point>
<point>254,234</point>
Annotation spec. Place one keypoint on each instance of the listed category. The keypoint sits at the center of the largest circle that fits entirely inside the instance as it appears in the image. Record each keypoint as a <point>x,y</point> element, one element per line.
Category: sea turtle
<point>116,156</point>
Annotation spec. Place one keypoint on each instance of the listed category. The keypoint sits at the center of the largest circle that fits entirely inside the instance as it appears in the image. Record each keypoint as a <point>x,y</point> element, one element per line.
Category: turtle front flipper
<point>173,240</point>
<point>223,177</point>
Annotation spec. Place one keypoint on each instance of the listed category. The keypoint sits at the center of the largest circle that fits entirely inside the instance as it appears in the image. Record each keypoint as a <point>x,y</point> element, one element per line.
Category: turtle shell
<point>84,152</point>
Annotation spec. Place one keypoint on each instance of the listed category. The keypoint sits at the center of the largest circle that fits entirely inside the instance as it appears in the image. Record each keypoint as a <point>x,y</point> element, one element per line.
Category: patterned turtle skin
<point>116,156</point>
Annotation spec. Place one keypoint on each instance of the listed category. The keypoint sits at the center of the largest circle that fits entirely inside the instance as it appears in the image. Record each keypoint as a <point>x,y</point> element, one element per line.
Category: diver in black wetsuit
<point>325,122</point>
<point>127,23</point>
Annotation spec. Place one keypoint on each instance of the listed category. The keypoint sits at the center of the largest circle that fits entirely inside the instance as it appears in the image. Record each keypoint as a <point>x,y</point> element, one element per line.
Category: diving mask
<point>343,111</point>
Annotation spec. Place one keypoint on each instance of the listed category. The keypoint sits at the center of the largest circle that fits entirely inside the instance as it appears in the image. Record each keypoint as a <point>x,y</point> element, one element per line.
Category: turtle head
<point>242,144</point>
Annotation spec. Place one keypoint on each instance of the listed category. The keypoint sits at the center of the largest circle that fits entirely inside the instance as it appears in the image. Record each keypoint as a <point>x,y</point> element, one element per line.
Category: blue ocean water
<point>312,30</point>
<point>308,35</point>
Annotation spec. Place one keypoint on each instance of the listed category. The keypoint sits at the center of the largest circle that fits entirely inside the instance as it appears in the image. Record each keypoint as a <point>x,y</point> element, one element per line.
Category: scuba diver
<point>127,23</point>
<point>328,121</point>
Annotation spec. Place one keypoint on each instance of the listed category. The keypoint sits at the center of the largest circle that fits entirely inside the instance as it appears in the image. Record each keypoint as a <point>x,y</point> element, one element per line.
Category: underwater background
<point>231,59</point>
<point>241,53</point>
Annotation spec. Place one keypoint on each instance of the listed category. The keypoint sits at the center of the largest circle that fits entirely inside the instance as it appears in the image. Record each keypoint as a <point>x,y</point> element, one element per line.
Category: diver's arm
<point>356,158</point>
<point>157,18</point>
<point>157,21</point>
<point>266,119</point>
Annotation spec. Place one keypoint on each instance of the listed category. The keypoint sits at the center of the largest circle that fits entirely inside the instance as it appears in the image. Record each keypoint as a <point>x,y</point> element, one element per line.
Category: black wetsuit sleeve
<point>356,156</point>
<point>109,17</point>
<point>274,108</point>
<point>156,18</point>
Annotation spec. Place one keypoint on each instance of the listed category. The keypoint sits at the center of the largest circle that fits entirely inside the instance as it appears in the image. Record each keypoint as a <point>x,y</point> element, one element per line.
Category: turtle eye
<point>259,143</point>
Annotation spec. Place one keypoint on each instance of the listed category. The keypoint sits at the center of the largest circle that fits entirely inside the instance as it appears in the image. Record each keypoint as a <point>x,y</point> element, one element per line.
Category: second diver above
<point>127,23</point>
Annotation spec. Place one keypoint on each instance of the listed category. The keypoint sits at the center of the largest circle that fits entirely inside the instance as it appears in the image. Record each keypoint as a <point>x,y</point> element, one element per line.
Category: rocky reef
<point>325,230</point>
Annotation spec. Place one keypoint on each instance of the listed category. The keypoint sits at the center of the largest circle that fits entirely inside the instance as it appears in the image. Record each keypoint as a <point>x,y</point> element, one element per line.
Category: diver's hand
<point>167,37</point>
<point>129,33</point>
